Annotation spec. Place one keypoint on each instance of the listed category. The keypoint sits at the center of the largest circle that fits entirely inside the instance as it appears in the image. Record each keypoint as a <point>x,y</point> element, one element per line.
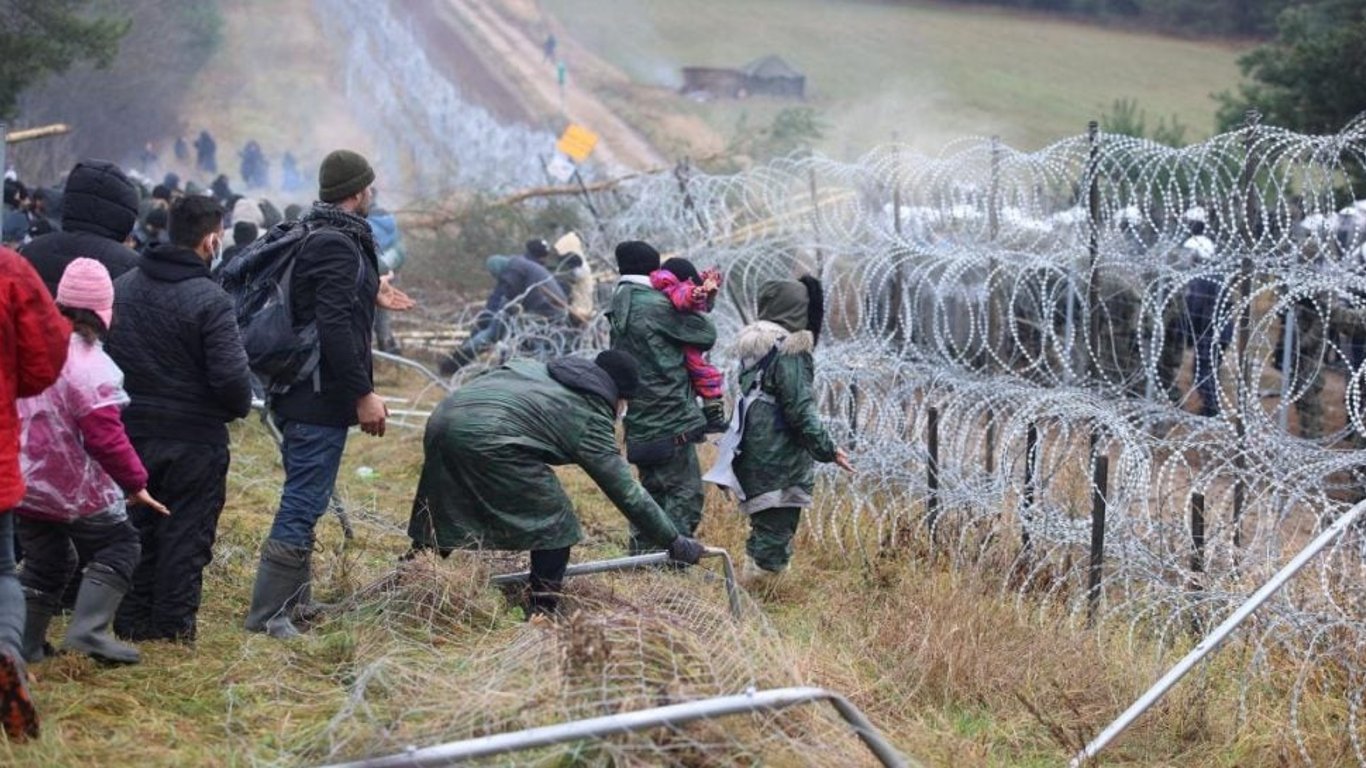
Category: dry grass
<point>955,668</point>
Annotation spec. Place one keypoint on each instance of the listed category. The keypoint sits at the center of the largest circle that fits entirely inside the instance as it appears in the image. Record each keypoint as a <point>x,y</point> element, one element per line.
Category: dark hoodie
<point>99,209</point>
<point>176,340</point>
<point>584,375</point>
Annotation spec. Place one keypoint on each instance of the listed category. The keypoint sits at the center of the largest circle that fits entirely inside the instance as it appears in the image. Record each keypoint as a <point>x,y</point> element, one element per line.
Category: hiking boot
<point>17,713</point>
<point>281,580</point>
<point>715,411</point>
<point>39,608</point>
<point>96,603</point>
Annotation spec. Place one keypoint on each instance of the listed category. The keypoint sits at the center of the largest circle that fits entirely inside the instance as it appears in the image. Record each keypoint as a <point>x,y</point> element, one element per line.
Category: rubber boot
<point>96,603</point>
<point>39,608</point>
<point>281,579</point>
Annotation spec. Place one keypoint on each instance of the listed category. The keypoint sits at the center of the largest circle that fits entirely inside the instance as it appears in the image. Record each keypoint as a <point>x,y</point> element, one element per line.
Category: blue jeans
<point>11,595</point>
<point>312,456</point>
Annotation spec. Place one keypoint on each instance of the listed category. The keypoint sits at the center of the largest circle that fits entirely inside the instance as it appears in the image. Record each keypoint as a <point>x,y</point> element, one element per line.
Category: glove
<point>686,550</point>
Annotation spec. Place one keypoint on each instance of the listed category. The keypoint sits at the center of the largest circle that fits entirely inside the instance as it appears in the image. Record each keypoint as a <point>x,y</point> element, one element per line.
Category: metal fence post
<point>1197,551</point>
<point>1100,483</point>
<point>932,471</point>
<point>1027,495</point>
<point>1244,388</point>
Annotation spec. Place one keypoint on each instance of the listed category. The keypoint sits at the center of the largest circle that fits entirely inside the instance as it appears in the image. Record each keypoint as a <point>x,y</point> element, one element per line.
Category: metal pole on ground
<point>1218,636</point>
<point>632,722</point>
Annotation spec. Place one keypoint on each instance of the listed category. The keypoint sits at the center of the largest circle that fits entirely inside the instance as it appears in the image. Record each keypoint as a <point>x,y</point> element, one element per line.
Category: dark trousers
<point>191,479</point>
<point>770,537</point>
<point>50,548</point>
<point>547,578</point>
<point>676,486</point>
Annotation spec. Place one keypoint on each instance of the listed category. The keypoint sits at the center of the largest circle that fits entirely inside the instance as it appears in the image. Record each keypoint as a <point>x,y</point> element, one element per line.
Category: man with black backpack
<point>176,341</point>
<point>334,289</point>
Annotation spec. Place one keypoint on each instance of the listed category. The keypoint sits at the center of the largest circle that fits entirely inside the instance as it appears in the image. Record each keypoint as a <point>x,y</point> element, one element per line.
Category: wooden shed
<point>767,76</point>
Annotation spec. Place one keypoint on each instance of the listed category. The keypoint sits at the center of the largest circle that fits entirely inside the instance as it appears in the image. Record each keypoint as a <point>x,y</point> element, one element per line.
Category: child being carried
<point>689,291</point>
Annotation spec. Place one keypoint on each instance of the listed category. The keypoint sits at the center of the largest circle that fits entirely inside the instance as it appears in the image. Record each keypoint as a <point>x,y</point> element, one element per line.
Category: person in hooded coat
<point>99,210</point>
<point>488,450</point>
<point>782,434</point>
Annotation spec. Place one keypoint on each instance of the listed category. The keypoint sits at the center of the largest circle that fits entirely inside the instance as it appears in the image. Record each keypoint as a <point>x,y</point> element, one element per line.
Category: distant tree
<point>1127,119</point>
<point>39,37</point>
<point>1312,77</point>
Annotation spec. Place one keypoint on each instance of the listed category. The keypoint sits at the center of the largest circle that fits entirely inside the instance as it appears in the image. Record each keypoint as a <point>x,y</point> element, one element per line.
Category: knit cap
<point>682,269</point>
<point>635,257</point>
<point>86,285</point>
<point>343,174</point>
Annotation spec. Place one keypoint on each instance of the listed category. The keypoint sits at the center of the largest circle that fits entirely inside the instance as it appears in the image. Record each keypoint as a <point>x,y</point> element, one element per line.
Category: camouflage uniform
<point>1117,336</point>
<point>645,324</point>
<point>1307,374</point>
<point>487,454</point>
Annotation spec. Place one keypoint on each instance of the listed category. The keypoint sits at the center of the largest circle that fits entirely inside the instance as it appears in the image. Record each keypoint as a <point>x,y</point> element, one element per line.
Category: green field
<point>925,73</point>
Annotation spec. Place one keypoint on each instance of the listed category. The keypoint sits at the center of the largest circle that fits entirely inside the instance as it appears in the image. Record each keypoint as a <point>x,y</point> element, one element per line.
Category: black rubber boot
<point>715,411</point>
<point>457,359</point>
<point>281,580</point>
<point>39,608</point>
<point>96,603</point>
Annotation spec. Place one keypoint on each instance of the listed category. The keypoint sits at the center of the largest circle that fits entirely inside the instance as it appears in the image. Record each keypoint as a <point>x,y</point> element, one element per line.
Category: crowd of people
<point>125,360</point>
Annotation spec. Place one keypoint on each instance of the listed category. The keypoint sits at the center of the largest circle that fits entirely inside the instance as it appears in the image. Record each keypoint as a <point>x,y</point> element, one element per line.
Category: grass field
<point>925,73</point>
<point>948,664</point>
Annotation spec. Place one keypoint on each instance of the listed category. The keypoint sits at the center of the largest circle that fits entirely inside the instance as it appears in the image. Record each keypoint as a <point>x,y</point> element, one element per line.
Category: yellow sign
<point>577,142</point>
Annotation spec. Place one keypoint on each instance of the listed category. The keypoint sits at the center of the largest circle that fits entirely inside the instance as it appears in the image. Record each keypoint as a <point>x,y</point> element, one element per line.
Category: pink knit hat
<point>86,285</point>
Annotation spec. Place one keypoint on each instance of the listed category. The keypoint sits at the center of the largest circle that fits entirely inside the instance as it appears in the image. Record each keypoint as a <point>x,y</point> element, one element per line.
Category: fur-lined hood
<point>756,339</point>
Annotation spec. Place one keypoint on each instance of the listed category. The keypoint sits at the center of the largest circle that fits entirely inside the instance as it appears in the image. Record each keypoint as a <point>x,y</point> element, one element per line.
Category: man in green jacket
<point>664,420</point>
<point>487,481</point>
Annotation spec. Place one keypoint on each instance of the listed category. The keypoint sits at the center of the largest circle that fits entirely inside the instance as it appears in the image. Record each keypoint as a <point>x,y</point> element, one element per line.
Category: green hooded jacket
<point>784,436</point>
<point>486,478</point>
<point>647,326</point>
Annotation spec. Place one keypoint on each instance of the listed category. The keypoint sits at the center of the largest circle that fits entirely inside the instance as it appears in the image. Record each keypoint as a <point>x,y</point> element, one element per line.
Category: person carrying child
<point>79,468</point>
<point>690,291</point>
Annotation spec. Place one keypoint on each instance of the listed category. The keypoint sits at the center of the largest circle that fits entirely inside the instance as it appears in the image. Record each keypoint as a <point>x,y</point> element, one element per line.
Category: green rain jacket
<point>486,477</point>
<point>783,435</point>
<point>648,327</point>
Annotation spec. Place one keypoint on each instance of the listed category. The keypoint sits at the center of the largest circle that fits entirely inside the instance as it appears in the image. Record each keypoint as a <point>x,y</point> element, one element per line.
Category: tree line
<point>1226,18</point>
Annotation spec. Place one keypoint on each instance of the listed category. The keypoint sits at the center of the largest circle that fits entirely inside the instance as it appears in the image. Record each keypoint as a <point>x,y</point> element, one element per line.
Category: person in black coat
<point>99,209</point>
<point>186,371</point>
<point>336,286</point>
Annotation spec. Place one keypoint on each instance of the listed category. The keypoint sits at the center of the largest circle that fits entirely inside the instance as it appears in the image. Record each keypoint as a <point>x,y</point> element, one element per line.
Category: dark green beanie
<point>343,174</point>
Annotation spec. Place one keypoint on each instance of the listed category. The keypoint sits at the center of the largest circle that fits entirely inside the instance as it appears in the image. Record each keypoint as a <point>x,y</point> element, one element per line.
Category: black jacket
<point>336,280</point>
<point>99,209</point>
<point>175,338</point>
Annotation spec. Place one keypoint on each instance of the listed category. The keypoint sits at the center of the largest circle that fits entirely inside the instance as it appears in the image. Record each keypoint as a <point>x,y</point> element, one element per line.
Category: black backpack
<point>258,280</point>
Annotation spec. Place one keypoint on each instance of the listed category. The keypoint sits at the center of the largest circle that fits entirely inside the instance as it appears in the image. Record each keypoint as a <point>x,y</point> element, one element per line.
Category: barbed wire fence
<point>1043,372</point>
<point>1039,371</point>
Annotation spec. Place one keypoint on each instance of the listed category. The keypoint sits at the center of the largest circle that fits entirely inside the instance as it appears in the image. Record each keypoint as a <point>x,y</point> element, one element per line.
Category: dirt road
<point>512,54</point>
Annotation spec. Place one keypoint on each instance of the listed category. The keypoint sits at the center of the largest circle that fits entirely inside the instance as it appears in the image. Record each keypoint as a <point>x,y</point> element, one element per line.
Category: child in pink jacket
<point>690,292</point>
<point>79,468</point>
